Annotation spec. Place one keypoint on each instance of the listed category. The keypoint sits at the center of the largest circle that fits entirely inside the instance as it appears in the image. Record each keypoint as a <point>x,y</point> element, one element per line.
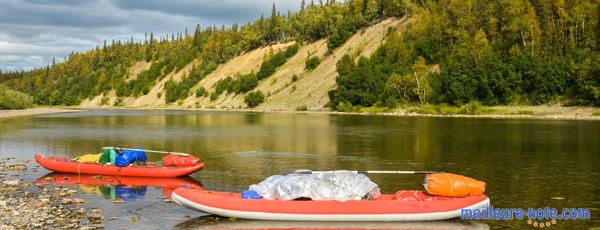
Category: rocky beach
<point>26,205</point>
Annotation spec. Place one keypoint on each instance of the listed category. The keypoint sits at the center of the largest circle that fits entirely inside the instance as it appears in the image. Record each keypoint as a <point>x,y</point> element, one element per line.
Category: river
<point>525,162</point>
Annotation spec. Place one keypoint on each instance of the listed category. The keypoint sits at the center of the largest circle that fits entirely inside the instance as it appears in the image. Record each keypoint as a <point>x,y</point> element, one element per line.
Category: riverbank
<point>34,111</point>
<point>555,112</point>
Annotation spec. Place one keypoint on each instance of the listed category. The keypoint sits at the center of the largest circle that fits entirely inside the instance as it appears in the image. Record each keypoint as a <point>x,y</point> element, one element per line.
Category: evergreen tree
<point>273,25</point>
<point>149,48</point>
<point>197,39</point>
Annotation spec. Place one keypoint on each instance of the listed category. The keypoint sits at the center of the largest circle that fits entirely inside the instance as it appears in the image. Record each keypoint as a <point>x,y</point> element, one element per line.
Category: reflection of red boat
<point>63,165</point>
<point>168,184</point>
<point>402,206</point>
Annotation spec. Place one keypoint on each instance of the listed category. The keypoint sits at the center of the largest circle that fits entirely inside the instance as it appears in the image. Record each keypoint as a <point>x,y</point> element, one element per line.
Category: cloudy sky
<point>34,31</point>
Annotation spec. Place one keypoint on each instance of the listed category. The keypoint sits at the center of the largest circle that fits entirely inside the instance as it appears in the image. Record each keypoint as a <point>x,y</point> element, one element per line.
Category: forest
<point>492,52</point>
<point>454,52</point>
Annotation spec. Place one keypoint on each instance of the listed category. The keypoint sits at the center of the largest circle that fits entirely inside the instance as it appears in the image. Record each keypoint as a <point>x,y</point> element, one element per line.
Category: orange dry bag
<point>448,184</point>
<point>179,161</point>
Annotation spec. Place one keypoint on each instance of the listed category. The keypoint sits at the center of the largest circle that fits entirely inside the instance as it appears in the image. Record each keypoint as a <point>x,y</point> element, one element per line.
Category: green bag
<point>108,156</point>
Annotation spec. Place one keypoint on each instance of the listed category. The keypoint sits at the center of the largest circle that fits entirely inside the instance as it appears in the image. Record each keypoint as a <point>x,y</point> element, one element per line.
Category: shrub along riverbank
<point>11,99</point>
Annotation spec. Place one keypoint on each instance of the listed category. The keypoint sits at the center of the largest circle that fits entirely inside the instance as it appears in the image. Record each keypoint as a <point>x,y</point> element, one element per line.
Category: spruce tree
<point>148,54</point>
<point>273,27</point>
<point>197,38</point>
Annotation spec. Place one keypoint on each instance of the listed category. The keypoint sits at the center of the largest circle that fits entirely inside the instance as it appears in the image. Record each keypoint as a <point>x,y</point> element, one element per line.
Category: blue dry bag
<point>249,194</point>
<point>129,156</point>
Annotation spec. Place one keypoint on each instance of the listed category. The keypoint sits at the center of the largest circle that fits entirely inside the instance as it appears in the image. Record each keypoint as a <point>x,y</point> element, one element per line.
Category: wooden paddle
<point>150,151</point>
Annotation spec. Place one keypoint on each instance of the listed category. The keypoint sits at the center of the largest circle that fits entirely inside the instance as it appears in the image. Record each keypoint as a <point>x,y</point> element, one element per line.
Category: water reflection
<point>118,188</point>
<point>214,222</point>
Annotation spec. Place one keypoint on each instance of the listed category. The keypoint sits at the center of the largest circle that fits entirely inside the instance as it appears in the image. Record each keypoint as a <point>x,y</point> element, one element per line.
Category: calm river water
<point>526,163</point>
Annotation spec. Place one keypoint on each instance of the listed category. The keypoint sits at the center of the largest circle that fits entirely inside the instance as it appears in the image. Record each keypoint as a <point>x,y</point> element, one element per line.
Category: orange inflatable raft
<point>63,165</point>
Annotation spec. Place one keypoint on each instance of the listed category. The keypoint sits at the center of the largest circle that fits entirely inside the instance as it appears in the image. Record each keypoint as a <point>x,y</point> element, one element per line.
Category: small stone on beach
<point>66,201</point>
<point>12,182</point>
<point>18,167</point>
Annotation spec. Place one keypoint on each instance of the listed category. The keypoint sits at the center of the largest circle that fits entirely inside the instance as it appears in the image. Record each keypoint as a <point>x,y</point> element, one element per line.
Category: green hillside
<point>494,52</point>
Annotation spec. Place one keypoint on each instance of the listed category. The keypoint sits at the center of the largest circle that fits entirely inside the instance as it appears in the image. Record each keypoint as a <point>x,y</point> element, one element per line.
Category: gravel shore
<point>29,206</point>
<point>33,111</point>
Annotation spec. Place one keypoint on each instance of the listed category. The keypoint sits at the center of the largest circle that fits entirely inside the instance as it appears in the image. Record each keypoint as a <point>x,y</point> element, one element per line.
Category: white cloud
<point>34,31</point>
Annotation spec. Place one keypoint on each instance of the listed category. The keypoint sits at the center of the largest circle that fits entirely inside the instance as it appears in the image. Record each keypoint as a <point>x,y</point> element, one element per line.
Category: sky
<point>32,32</point>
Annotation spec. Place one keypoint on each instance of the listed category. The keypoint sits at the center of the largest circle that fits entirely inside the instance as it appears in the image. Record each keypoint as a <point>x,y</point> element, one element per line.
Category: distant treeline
<point>494,52</point>
<point>96,72</point>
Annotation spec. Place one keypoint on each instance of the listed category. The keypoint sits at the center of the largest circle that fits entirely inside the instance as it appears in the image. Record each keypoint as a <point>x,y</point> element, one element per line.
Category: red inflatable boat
<point>63,165</point>
<point>402,206</point>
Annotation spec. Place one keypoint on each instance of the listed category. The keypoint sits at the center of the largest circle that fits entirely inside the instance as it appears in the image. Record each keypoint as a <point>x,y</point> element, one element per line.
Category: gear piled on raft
<point>115,157</point>
<point>347,185</point>
<point>134,156</point>
<point>341,186</point>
